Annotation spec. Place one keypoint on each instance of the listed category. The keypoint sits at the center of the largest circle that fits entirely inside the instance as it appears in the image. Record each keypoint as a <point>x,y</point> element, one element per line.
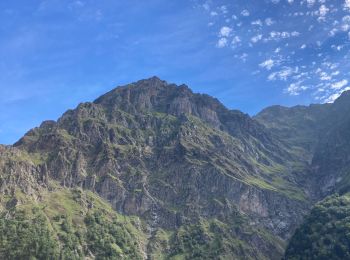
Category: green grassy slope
<point>74,224</point>
<point>66,224</point>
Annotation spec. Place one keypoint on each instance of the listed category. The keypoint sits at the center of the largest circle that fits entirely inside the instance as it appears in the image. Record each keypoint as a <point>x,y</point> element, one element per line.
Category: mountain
<point>320,134</point>
<point>152,170</point>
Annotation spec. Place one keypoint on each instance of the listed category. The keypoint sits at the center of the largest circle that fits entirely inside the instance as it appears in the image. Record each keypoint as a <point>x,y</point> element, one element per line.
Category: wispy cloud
<point>301,47</point>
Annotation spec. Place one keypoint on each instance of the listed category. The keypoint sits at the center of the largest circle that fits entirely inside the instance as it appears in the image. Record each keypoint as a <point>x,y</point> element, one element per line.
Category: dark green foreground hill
<point>325,233</point>
<point>152,170</point>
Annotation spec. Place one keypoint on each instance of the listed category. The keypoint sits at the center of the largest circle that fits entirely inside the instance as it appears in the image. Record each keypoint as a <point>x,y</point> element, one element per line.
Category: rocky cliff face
<point>181,161</point>
<point>18,171</point>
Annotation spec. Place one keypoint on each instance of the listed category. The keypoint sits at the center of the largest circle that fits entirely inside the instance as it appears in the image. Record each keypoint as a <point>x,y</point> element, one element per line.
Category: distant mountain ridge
<point>192,179</point>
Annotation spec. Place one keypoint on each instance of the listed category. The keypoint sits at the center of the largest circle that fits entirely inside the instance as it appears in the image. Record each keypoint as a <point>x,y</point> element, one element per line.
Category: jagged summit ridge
<point>157,95</point>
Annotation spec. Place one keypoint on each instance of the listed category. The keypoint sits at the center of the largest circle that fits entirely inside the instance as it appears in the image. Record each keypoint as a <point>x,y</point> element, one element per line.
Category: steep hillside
<point>298,126</point>
<point>74,224</point>
<point>320,135</point>
<point>325,234</point>
<point>67,224</point>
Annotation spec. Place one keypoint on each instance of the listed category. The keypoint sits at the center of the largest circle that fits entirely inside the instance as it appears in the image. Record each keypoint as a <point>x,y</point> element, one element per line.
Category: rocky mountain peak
<point>156,95</point>
<point>147,94</point>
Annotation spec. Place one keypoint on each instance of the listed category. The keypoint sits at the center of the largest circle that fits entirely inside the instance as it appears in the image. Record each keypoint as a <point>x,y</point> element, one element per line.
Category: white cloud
<point>324,76</point>
<point>346,19</point>
<point>283,74</point>
<point>269,21</point>
<point>337,47</point>
<point>295,34</point>
<point>225,31</point>
<point>244,57</point>
<point>285,58</point>
<point>256,38</point>
<point>223,9</point>
<point>222,42</point>
<point>245,12</point>
<point>274,34</point>
<point>281,35</point>
<point>345,23</point>
<point>257,22</point>
<point>334,96</point>
<point>294,89</point>
<point>322,12</point>
<point>339,84</point>
<point>285,35</point>
<point>236,40</point>
<point>333,32</point>
<point>347,4</point>
<point>268,64</point>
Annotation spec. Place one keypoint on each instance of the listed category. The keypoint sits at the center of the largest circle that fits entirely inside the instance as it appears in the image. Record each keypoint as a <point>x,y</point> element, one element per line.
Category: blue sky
<point>247,53</point>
